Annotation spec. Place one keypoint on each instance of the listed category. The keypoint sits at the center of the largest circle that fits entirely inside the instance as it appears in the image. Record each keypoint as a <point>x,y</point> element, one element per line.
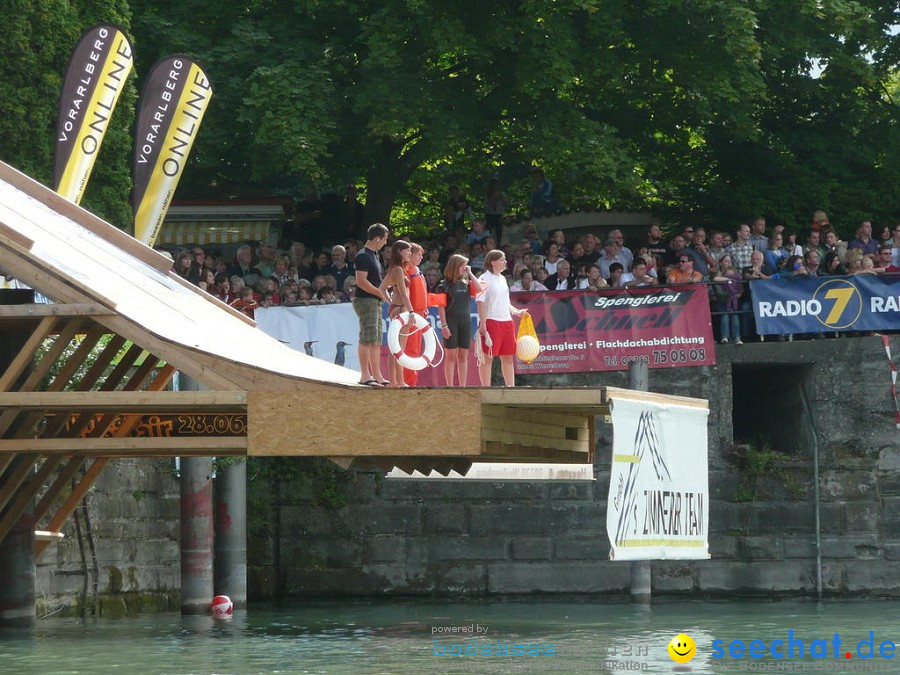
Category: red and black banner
<point>173,102</point>
<point>665,327</point>
<point>96,76</point>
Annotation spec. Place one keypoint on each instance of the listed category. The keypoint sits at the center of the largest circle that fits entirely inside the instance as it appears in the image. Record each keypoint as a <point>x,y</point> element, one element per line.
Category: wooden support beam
<point>15,477</point>
<point>14,235</point>
<point>129,358</point>
<point>123,445</point>
<point>101,364</point>
<point>25,494</point>
<point>71,502</point>
<point>26,353</point>
<point>215,373</point>
<point>48,536</point>
<point>612,393</point>
<point>141,373</point>
<point>62,479</point>
<point>43,366</point>
<point>561,398</point>
<point>88,381</point>
<point>112,382</point>
<point>128,402</point>
<point>162,379</point>
<point>77,359</point>
<point>107,422</point>
<point>58,310</point>
<point>63,376</point>
<point>276,420</point>
<point>493,451</point>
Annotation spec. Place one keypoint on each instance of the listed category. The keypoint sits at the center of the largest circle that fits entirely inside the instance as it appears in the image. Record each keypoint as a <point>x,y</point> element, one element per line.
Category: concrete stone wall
<point>133,510</point>
<point>362,534</point>
<point>450,538</point>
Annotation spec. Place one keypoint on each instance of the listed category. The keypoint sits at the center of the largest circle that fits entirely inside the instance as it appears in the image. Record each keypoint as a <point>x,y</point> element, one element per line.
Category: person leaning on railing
<point>728,301</point>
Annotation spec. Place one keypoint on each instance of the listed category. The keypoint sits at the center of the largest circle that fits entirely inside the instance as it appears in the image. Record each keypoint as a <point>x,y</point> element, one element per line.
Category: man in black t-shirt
<point>367,305</point>
<point>657,246</point>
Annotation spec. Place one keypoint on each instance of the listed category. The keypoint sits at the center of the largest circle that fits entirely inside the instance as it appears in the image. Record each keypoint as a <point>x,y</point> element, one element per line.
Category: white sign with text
<point>659,488</point>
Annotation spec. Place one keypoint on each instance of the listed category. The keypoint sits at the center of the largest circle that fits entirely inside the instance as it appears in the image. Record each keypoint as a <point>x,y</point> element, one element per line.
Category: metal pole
<point>815,449</point>
<point>196,526</point>
<point>231,533</point>
<point>641,583</point>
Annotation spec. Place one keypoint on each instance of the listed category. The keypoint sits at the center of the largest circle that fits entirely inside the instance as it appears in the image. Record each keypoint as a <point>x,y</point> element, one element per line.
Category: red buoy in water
<point>222,607</point>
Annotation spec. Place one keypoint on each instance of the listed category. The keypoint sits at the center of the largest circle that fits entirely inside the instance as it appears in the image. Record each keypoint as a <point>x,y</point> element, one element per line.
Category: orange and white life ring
<point>429,342</point>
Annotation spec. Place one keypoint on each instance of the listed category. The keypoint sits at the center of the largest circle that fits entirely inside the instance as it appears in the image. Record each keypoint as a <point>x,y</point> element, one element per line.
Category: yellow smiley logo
<point>682,648</point>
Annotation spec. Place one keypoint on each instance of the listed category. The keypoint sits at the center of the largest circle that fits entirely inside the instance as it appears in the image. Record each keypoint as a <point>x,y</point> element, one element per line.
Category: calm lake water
<point>423,637</point>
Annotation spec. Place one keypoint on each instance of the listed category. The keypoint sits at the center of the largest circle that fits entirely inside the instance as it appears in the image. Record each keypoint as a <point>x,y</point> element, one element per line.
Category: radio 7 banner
<point>97,71</point>
<point>581,331</point>
<point>174,100</point>
<point>862,302</point>
<point>658,504</point>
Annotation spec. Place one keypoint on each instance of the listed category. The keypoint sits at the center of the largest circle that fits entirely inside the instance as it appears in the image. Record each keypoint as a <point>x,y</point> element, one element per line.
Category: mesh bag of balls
<point>527,346</point>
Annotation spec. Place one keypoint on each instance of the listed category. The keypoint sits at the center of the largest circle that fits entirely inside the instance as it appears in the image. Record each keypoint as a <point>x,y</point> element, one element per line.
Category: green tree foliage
<point>712,110</point>
<point>34,34</point>
<point>38,38</point>
<point>406,96</point>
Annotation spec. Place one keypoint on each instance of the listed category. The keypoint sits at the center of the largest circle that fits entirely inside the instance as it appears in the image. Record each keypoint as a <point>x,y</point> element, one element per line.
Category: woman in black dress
<point>459,285</point>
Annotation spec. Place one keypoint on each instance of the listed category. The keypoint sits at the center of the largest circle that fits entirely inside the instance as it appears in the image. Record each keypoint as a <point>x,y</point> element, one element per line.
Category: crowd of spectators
<point>302,276</point>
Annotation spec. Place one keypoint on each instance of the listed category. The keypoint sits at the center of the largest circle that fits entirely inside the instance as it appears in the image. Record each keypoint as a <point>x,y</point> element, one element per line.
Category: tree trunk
<point>385,179</point>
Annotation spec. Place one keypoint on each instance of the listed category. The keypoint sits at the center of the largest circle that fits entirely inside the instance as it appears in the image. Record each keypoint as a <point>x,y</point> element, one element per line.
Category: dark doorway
<point>768,405</point>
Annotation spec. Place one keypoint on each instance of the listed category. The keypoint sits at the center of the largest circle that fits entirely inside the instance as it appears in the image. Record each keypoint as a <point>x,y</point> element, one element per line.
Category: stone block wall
<point>448,538</point>
<point>133,511</point>
<point>362,534</point>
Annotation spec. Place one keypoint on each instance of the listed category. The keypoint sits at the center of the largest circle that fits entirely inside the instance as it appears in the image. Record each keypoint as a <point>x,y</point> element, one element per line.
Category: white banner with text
<point>658,505</point>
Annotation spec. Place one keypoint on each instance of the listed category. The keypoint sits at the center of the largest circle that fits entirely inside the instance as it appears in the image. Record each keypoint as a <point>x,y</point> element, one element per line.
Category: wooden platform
<point>87,377</point>
<point>517,424</point>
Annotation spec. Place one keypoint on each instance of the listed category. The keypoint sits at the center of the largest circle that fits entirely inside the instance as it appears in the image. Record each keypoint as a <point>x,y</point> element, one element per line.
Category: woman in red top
<point>418,299</point>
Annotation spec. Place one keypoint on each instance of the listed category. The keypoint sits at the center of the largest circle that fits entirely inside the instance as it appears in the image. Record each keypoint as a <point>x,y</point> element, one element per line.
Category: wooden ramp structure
<point>86,377</point>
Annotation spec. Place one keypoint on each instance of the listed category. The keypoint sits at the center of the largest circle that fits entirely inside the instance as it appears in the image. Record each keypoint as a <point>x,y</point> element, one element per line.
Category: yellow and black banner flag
<point>96,76</point>
<point>174,100</point>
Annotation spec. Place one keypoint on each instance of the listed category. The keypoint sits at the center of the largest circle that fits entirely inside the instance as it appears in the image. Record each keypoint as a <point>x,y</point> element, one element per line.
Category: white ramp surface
<point>73,246</point>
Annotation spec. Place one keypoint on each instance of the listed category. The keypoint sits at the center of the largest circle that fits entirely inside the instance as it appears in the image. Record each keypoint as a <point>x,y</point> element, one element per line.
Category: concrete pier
<point>196,525</point>
<point>17,573</point>
<point>231,533</point>
<point>641,570</point>
<point>196,535</point>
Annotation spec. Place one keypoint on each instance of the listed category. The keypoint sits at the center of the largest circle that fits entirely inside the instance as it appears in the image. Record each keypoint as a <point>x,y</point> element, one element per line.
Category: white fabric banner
<point>658,507</point>
<point>328,332</point>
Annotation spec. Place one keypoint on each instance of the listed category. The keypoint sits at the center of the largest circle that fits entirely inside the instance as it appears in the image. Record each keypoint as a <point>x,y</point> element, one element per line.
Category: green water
<point>399,637</point>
